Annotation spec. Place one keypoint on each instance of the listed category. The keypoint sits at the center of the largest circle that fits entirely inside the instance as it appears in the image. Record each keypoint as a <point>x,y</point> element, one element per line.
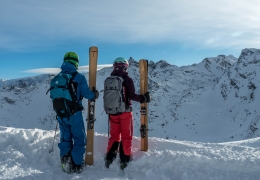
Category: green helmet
<point>72,57</point>
<point>121,61</point>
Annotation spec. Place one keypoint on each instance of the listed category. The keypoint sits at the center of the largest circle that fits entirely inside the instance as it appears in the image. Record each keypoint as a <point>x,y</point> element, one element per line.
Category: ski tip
<point>93,48</point>
<point>143,60</point>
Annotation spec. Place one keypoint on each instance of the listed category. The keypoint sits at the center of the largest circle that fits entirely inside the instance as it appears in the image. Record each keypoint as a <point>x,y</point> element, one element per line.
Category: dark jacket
<point>129,87</point>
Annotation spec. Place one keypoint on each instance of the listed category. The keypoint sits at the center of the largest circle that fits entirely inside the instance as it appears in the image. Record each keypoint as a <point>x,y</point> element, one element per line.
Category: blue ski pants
<point>72,137</point>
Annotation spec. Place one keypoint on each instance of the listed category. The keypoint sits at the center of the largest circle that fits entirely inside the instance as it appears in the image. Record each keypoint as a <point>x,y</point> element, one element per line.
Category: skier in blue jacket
<point>72,130</point>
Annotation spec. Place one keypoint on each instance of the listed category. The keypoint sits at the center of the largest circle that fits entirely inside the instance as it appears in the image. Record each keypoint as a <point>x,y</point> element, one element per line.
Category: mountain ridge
<point>212,101</point>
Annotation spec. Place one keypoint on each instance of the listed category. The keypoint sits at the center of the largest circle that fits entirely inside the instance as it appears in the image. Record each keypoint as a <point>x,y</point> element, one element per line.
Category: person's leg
<point>113,141</point>
<point>79,139</point>
<point>65,144</point>
<point>126,126</point>
<point>114,133</point>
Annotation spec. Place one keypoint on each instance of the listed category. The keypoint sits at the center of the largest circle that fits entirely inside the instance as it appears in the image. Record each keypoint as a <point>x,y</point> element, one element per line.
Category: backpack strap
<point>73,90</point>
<point>74,74</point>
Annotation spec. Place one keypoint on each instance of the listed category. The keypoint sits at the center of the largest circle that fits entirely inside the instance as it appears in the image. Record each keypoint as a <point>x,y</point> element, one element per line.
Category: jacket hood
<point>119,73</point>
<point>67,67</point>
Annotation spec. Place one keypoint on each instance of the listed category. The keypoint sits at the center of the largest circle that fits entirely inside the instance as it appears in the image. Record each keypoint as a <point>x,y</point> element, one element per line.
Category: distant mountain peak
<point>250,50</point>
<point>132,62</point>
<point>249,56</point>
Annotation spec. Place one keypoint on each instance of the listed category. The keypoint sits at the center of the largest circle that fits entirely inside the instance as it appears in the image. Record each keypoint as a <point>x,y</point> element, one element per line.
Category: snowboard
<point>93,58</point>
<point>143,67</point>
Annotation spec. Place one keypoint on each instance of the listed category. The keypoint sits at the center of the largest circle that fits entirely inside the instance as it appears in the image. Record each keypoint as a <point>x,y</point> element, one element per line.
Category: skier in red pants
<point>121,125</point>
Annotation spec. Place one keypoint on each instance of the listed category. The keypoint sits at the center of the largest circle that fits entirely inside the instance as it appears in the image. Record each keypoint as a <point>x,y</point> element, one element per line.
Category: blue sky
<point>36,34</point>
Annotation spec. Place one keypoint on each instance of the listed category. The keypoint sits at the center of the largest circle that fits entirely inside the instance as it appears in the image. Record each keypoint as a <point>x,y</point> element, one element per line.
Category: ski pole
<point>51,150</point>
<point>108,126</point>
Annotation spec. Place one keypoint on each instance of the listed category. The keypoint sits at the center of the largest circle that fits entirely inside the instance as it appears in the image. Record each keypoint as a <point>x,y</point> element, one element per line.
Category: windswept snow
<point>24,154</point>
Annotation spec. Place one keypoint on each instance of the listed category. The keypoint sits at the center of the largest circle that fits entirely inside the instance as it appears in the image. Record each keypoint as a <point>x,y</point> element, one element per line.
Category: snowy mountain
<point>215,100</point>
<point>194,110</point>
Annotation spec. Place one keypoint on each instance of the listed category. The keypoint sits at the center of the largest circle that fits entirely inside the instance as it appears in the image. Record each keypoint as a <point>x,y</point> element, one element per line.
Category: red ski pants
<point>121,126</point>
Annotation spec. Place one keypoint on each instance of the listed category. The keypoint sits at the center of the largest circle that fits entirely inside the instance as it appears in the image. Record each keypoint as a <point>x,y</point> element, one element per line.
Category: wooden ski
<point>93,58</point>
<point>143,67</point>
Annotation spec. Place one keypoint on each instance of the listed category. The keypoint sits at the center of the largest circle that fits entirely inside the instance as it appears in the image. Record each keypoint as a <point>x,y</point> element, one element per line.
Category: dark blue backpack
<point>63,94</point>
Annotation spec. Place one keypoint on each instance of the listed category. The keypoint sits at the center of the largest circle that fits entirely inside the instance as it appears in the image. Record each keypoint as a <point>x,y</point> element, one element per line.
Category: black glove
<point>96,93</point>
<point>146,98</point>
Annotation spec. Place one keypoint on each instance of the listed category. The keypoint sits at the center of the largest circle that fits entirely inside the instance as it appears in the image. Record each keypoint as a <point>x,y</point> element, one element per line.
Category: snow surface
<point>24,154</point>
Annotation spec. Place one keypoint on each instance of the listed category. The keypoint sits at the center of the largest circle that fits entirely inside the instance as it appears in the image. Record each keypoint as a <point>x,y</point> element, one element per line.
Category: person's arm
<point>131,91</point>
<point>84,88</point>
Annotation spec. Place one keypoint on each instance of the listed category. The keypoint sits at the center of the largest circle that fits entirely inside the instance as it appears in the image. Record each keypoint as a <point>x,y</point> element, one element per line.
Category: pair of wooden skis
<point>143,66</point>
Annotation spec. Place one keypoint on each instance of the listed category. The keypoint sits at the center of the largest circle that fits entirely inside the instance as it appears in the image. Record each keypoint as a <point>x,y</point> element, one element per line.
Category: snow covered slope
<point>213,101</point>
<point>24,154</point>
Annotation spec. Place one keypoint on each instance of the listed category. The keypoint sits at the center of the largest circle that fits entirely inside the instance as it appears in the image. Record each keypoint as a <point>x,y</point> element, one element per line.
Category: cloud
<point>210,41</point>
<point>57,70</point>
<point>43,71</point>
<point>237,34</point>
<point>36,24</point>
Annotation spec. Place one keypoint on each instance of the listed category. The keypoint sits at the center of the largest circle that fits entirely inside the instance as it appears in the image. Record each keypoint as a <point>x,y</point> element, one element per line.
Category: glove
<point>96,93</point>
<point>146,98</point>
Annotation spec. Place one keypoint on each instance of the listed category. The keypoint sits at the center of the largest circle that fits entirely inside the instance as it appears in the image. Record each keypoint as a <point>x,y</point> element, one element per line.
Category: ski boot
<point>66,163</point>
<point>77,168</point>
<point>123,165</point>
<point>110,157</point>
<point>107,163</point>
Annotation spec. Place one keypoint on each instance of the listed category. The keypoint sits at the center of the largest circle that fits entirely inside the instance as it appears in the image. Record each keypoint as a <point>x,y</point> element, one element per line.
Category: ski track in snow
<point>24,154</point>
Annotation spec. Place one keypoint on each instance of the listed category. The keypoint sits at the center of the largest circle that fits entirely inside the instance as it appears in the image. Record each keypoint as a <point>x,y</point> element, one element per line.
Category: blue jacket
<point>72,130</point>
<point>82,86</point>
